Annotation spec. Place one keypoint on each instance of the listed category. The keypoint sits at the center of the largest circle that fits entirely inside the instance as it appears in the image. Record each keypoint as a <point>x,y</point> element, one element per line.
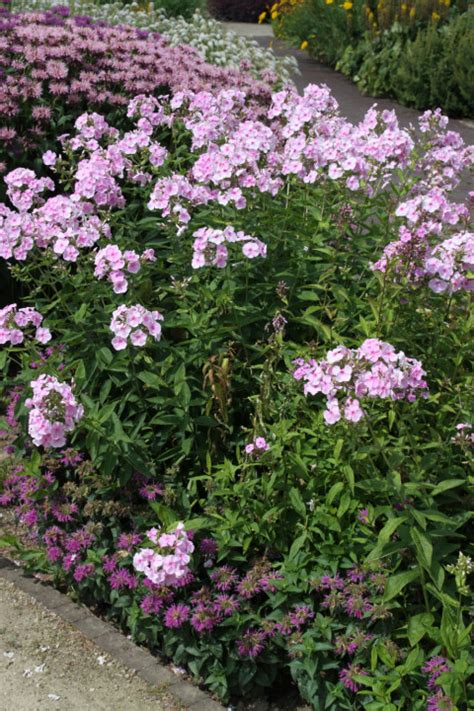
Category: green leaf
<point>446,485</point>
<point>384,536</point>
<point>396,583</point>
<point>423,546</point>
<point>297,501</point>
<point>418,626</point>
<point>334,491</point>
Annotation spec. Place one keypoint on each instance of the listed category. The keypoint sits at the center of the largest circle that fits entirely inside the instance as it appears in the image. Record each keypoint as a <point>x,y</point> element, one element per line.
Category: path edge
<point>109,639</point>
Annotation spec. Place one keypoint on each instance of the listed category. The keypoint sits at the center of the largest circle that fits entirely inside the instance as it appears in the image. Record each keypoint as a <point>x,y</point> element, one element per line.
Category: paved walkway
<point>46,664</point>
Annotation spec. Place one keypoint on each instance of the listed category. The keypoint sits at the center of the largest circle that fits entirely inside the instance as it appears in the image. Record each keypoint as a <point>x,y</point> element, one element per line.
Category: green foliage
<point>437,68</point>
<point>327,27</point>
<point>180,8</point>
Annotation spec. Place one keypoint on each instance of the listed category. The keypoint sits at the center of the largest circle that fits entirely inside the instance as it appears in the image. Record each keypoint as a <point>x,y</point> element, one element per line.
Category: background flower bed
<point>217,45</point>
<point>223,292</point>
<point>418,53</point>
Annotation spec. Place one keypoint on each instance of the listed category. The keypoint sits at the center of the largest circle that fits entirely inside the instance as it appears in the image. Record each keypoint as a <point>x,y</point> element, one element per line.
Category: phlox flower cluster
<point>54,411</point>
<point>111,262</point>
<point>62,225</point>
<point>168,563</point>
<point>14,322</point>
<point>257,447</point>
<point>464,434</point>
<point>209,246</point>
<point>134,323</point>
<point>372,371</point>
<point>434,245</point>
<point>24,188</point>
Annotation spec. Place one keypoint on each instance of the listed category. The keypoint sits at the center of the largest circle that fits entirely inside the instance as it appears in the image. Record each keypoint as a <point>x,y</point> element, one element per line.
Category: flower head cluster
<point>168,563</point>
<point>374,370</point>
<point>135,323</point>
<point>61,224</point>
<point>464,435</point>
<point>111,262</point>
<point>54,411</point>
<point>15,321</point>
<point>50,56</point>
<point>24,188</point>
<point>210,246</point>
<point>217,45</point>
<point>257,447</point>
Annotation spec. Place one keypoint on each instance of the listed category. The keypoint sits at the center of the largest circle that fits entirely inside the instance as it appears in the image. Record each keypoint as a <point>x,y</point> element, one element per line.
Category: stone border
<point>110,640</point>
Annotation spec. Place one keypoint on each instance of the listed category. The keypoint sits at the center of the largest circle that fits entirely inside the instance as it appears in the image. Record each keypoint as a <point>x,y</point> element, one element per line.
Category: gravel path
<point>47,664</point>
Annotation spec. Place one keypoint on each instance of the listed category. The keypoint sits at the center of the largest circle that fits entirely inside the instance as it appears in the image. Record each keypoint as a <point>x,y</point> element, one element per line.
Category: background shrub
<point>180,8</point>
<point>237,10</point>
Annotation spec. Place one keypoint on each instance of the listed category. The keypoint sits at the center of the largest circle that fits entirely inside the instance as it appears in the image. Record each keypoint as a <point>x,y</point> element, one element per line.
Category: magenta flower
<point>251,644</point>
<point>176,616</point>
<point>347,675</point>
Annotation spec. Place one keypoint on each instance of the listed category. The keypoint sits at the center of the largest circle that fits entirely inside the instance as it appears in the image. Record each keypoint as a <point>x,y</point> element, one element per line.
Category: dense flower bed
<point>216,44</point>
<point>55,67</point>
<point>238,389</point>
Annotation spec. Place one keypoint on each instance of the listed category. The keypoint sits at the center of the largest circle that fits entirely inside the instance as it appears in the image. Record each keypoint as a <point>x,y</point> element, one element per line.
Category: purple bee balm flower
<point>54,553</point>
<point>109,563</point>
<point>251,644</point>
<point>65,512</point>
<point>150,492</point>
<point>176,615</point>
<point>434,668</point>
<point>347,675</point>
<point>204,619</point>
<point>357,606</point>
<point>355,575</point>
<point>226,605</point>
<point>439,702</point>
<point>363,516</point>
<point>127,541</point>
<point>152,604</point>
<point>208,546</point>
<point>301,615</point>
<point>83,571</point>
<point>224,577</point>
<point>121,578</point>
<point>248,587</point>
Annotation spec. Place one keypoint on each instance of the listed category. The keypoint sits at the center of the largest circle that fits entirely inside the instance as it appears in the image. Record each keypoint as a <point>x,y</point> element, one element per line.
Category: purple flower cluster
<point>434,667</point>
<point>55,60</point>
<point>14,322</point>
<point>135,323</point>
<point>54,411</point>
<point>374,370</point>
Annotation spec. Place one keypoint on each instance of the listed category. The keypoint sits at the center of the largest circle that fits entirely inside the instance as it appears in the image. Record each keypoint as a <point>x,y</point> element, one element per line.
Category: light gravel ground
<point>46,664</point>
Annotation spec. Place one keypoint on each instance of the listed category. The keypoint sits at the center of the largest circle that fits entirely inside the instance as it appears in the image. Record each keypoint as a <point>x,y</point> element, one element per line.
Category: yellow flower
<point>347,5</point>
<point>412,12</point>
<point>404,7</point>
<point>274,7</point>
<point>304,44</point>
<point>261,17</point>
<point>274,15</point>
<point>435,16</point>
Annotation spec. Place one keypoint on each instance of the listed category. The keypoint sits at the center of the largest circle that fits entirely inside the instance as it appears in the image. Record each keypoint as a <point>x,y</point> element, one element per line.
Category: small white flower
<point>101,659</point>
